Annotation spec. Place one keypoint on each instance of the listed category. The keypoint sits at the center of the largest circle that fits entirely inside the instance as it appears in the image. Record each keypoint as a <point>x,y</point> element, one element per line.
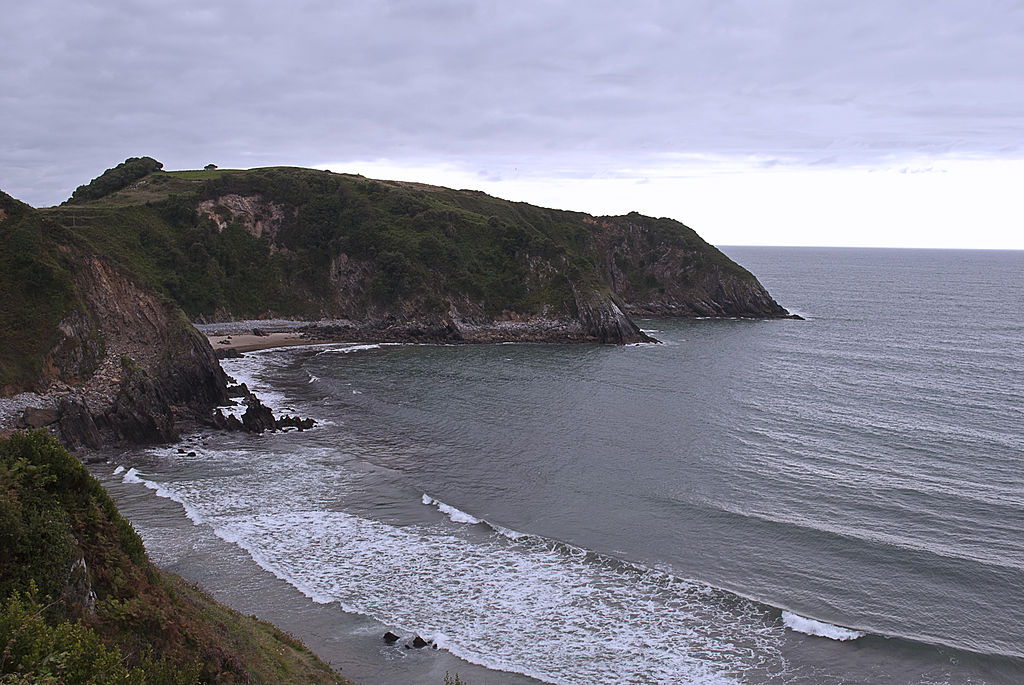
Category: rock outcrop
<point>140,367</point>
<point>123,364</point>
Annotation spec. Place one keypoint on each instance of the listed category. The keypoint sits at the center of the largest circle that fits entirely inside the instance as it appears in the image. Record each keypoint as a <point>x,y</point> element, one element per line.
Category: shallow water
<point>832,500</point>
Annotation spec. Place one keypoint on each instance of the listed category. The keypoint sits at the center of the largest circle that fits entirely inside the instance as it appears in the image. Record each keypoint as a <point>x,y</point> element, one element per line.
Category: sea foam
<point>809,626</point>
<point>456,515</point>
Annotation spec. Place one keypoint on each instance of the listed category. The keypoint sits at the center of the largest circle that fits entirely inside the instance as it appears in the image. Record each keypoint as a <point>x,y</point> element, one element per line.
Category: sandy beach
<point>247,342</point>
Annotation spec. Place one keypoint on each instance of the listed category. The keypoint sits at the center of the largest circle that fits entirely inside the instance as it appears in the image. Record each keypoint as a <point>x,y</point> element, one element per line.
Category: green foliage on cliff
<point>36,290</point>
<point>116,178</point>
<point>309,243</point>
<point>64,547</point>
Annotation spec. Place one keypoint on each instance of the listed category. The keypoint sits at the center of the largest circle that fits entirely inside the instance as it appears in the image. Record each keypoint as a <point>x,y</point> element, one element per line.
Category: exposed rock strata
<point>126,366</point>
<point>658,275</point>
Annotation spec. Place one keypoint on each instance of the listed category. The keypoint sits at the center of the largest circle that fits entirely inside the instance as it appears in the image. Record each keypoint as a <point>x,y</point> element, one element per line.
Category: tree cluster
<point>113,180</point>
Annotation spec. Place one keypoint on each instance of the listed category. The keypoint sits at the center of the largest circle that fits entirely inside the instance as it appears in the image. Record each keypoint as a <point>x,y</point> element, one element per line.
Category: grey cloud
<point>488,84</point>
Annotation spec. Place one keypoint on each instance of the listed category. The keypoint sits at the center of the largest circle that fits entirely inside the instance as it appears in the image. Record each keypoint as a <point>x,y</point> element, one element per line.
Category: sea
<point>838,499</point>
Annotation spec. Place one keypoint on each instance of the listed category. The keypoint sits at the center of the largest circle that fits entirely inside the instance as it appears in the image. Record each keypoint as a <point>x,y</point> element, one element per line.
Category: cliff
<point>98,291</point>
<point>115,362</point>
<point>397,260</point>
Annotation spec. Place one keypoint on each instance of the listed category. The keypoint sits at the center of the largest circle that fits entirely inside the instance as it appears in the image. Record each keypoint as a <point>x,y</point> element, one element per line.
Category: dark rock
<point>259,332</point>
<point>78,594</point>
<point>230,353</point>
<point>295,422</point>
<point>240,390</point>
<point>390,638</point>
<point>257,417</point>
<point>604,320</point>
<point>419,643</point>
<point>141,412</point>
<point>37,417</point>
<point>77,428</point>
<point>228,423</point>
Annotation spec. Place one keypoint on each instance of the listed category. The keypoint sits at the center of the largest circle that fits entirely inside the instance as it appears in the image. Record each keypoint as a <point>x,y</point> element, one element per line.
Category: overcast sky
<point>819,122</point>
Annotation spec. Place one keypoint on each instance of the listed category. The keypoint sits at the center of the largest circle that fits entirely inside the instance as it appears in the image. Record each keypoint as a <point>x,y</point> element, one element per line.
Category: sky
<point>757,122</point>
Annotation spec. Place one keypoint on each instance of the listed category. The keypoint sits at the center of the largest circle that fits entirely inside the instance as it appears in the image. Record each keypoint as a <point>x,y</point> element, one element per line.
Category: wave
<point>132,475</point>
<point>459,516</point>
<point>349,349</point>
<point>456,515</point>
<point>809,626</point>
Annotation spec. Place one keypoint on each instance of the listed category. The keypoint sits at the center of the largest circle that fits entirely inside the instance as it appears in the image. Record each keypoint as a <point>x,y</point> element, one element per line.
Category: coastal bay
<point>729,486</point>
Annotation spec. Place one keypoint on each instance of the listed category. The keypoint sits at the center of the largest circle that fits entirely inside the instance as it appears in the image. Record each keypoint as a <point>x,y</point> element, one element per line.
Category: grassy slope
<point>147,626</point>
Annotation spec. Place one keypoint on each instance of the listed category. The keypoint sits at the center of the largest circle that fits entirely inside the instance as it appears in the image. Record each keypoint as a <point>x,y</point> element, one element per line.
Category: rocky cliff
<point>110,360</point>
<point>396,260</point>
<point>96,289</point>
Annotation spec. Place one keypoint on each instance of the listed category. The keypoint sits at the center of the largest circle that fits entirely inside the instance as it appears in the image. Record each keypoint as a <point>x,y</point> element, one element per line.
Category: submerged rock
<point>295,422</point>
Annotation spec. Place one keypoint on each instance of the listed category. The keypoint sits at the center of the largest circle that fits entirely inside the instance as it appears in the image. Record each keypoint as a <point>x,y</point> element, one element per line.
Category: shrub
<point>116,178</point>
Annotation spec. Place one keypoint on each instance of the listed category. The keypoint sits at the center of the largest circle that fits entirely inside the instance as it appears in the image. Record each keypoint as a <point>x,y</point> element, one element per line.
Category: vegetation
<point>407,245</point>
<point>115,179</point>
<point>38,288</point>
<point>81,603</point>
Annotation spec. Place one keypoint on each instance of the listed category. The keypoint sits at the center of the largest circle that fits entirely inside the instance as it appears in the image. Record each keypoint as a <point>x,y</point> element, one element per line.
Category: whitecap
<point>809,626</point>
<point>456,515</point>
<point>132,476</point>
<point>119,470</point>
<point>348,349</point>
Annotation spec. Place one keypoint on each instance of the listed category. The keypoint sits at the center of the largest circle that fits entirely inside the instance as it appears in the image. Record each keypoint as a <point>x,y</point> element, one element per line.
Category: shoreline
<point>248,342</point>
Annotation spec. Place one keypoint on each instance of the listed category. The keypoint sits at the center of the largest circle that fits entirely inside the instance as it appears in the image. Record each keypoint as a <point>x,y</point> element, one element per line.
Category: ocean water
<point>835,500</point>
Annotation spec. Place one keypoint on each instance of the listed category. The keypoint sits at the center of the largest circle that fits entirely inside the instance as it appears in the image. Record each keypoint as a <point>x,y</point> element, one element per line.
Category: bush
<point>113,180</point>
<point>68,652</point>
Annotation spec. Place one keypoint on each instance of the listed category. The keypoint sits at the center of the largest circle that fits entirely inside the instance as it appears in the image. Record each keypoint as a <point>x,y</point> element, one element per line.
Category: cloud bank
<point>545,88</point>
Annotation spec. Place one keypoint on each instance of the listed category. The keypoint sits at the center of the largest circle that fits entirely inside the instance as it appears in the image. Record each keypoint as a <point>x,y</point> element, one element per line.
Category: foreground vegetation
<point>81,603</point>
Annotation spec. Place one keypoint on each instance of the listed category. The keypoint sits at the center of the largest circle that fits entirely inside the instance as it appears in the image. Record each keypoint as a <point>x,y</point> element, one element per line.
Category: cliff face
<point>662,268</point>
<point>115,362</point>
<point>395,260</point>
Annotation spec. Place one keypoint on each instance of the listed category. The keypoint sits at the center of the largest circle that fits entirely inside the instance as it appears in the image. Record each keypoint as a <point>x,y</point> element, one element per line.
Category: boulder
<point>390,638</point>
<point>37,417</point>
<point>258,417</point>
<point>77,428</point>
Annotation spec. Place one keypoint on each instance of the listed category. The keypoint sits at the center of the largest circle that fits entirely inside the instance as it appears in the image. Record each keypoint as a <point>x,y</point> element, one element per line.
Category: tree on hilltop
<point>113,180</point>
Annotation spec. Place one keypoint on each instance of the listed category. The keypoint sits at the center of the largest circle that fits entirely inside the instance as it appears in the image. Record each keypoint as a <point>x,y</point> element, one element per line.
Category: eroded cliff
<point>110,360</point>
